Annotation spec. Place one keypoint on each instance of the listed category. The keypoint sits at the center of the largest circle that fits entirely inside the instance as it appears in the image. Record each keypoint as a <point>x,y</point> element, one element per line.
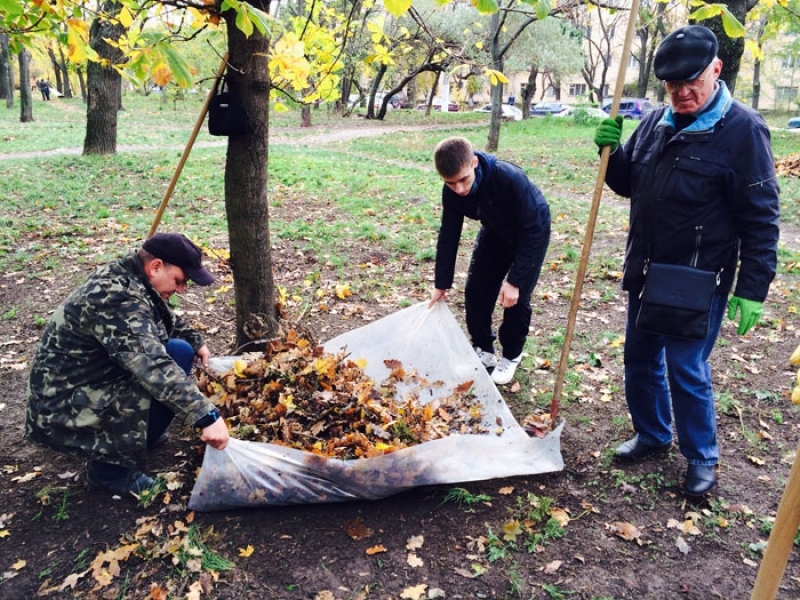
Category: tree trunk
<point>25,98</point>
<point>62,63</point>
<point>305,116</point>
<point>756,83</point>
<point>530,91</point>
<point>5,85</point>
<point>246,205</point>
<point>103,84</point>
<point>730,49</point>
<point>82,84</point>
<point>759,31</point>
<point>432,93</point>
<point>373,90</point>
<point>56,68</point>
<point>493,139</point>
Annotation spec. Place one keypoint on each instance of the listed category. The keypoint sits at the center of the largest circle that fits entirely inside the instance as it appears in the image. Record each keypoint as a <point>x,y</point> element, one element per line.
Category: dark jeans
<point>491,260</point>
<point>160,415</point>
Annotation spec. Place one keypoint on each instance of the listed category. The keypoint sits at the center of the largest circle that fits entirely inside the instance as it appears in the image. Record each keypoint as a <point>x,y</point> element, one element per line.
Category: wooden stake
<point>781,539</point>
<point>587,242</point>
<point>188,148</point>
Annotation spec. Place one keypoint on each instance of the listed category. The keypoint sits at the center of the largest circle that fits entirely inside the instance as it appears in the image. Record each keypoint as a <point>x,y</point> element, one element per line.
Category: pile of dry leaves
<point>296,394</point>
<point>789,166</point>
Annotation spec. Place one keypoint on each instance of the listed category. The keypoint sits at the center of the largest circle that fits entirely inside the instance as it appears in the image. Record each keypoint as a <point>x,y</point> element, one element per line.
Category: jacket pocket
<point>692,180</point>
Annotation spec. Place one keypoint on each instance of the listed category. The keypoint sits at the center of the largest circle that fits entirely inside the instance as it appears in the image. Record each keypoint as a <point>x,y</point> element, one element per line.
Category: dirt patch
<point>630,533</point>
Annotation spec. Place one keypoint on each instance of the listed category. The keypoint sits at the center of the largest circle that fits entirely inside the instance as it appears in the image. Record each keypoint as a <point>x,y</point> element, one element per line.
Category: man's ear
<point>474,162</point>
<point>153,267</point>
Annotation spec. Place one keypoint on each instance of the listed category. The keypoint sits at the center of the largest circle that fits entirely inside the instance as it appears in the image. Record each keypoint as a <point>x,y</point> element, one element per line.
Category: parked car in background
<point>631,108</point>
<point>437,105</point>
<point>509,113</point>
<point>555,109</point>
<point>794,123</point>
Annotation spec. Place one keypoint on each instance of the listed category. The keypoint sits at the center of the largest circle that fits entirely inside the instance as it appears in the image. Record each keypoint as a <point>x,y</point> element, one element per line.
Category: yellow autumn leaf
<point>20,564</point>
<point>239,366</point>
<point>397,7</point>
<point>795,357</point>
<point>125,17</point>
<point>511,530</point>
<point>361,363</point>
<point>287,401</point>
<point>375,550</point>
<point>161,75</point>
<point>77,53</point>
<point>796,395</point>
<point>343,290</point>
<point>5,533</point>
<point>326,366</point>
<point>495,76</point>
<point>245,552</point>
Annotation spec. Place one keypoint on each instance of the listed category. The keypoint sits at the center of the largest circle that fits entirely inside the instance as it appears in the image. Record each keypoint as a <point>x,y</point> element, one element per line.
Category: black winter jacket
<point>704,192</point>
<point>510,208</point>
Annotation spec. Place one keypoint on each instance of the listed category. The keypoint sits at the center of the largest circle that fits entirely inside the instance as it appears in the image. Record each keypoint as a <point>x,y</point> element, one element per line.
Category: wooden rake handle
<point>587,242</point>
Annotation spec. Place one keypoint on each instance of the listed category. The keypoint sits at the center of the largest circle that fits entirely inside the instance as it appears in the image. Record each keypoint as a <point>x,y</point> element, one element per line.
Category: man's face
<point>166,279</point>
<point>461,182</point>
<point>688,97</point>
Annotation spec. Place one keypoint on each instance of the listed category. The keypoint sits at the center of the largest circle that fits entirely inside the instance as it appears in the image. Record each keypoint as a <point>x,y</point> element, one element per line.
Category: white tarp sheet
<point>429,341</point>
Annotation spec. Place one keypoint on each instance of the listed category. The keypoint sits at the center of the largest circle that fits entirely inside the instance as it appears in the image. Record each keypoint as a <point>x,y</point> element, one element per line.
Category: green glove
<point>608,133</point>
<point>751,312</point>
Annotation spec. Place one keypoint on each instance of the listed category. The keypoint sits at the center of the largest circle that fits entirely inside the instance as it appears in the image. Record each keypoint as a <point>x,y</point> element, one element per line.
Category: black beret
<point>176,249</point>
<point>685,53</point>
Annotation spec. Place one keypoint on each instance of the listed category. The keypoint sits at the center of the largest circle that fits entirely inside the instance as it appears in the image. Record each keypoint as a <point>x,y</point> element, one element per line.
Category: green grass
<point>379,192</point>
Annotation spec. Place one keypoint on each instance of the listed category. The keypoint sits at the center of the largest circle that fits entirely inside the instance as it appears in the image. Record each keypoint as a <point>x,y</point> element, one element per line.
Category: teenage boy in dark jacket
<point>701,179</point>
<point>509,250</point>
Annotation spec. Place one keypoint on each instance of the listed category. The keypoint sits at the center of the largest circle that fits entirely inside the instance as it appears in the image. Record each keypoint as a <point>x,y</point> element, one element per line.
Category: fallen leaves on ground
<point>416,592</point>
<point>626,531</point>
<point>357,529</point>
<point>295,394</point>
<point>789,166</point>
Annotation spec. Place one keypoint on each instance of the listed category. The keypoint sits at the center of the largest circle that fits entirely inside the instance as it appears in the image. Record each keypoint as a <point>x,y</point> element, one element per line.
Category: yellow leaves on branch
<point>495,77</point>
<point>288,64</point>
<point>161,75</point>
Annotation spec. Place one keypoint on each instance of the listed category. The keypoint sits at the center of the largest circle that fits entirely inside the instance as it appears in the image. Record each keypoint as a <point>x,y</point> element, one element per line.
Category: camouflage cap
<point>176,249</point>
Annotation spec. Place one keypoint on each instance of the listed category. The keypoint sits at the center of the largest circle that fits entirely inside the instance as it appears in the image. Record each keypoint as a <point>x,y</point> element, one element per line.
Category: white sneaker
<point>505,369</point>
<point>488,359</point>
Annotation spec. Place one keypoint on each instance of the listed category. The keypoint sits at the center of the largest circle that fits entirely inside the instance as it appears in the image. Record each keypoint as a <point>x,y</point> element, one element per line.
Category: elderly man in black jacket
<point>509,250</point>
<point>701,179</point>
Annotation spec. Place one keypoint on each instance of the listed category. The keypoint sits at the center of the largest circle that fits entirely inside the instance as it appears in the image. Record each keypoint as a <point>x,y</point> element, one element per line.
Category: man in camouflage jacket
<point>104,381</point>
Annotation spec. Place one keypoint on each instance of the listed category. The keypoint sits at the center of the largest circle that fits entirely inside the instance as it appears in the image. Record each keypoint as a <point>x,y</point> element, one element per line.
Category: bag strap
<point>221,85</point>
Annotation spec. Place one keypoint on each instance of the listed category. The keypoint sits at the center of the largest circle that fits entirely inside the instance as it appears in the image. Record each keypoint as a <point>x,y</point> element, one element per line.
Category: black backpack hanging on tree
<point>226,112</point>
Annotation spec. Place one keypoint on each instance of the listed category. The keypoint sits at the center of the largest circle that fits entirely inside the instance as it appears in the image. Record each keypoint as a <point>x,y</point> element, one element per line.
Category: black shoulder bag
<point>676,299</point>
<point>226,112</point>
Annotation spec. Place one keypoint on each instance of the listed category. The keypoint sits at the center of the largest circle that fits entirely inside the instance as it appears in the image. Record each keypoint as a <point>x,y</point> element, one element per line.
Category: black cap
<point>176,249</point>
<point>685,53</point>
